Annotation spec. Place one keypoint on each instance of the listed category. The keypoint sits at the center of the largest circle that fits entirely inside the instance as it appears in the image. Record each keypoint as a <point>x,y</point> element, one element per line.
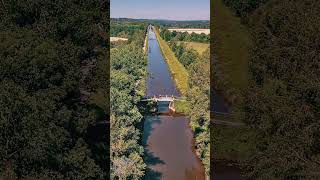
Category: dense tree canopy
<point>183,36</point>
<point>199,98</point>
<point>283,99</point>
<point>128,70</point>
<point>44,121</point>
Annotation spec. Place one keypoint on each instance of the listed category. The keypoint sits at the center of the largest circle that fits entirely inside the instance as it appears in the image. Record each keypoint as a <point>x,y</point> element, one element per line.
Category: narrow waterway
<point>168,139</point>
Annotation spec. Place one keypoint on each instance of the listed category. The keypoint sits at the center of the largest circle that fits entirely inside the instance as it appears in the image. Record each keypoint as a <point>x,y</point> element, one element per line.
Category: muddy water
<point>168,140</point>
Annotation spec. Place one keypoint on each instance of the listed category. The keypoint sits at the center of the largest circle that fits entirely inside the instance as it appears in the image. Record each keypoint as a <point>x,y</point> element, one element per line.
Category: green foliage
<point>244,8</point>
<point>128,70</point>
<point>185,55</point>
<point>131,30</point>
<point>43,121</point>
<point>283,103</point>
<point>198,96</point>
<point>184,36</point>
<point>201,24</point>
<point>197,104</point>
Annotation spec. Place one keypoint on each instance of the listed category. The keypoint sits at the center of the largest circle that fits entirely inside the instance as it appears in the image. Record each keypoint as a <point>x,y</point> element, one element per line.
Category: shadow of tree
<point>147,129</point>
<point>149,157</point>
<point>152,160</point>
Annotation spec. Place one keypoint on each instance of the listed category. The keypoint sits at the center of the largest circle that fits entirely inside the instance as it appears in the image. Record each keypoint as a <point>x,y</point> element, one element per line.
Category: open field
<point>178,71</point>
<point>199,47</point>
<point>197,31</point>
<point>114,39</point>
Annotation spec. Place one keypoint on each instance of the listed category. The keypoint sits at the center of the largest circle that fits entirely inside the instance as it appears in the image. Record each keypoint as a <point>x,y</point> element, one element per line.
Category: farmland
<point>115,39</point>
<point>190,30</point>
<point>199,47</point>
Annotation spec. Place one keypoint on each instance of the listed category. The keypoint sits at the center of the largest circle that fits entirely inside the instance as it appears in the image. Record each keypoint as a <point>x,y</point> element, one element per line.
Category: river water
<point>168,139</point>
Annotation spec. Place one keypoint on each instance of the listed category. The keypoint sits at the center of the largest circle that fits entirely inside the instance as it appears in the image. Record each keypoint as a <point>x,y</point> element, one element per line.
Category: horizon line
<point>159,19</point>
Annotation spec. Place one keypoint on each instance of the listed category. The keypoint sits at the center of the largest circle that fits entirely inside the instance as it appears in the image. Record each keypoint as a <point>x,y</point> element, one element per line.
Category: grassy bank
<point>146,44</point>
<point>178,71</point>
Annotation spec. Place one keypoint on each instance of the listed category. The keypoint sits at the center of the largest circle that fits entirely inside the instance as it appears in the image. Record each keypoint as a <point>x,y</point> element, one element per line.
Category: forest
<point>53,61</point>
<point>168,23</point>
<point>197,108</point>
<point>281,102</point>
<point>128,71</point>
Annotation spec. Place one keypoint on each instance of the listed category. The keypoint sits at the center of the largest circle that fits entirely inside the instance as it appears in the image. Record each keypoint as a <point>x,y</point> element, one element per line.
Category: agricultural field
<point>199,47</point>
<point>115,39</point>
<point>190,30</point>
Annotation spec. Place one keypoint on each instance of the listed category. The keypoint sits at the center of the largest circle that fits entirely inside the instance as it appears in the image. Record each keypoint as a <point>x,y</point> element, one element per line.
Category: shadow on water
<point>153,161</point>
<point>149,121</point>
<point>149,157</point>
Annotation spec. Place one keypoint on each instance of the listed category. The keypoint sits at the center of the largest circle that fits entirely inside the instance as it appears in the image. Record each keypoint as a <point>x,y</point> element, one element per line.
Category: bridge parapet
<point>162,98</point>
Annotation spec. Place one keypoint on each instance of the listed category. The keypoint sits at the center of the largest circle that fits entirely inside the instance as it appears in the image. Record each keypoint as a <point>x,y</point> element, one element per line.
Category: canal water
<point>168,139</point>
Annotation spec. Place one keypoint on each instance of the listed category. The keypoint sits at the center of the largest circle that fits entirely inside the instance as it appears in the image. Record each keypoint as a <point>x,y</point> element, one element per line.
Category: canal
<point>168,139</point>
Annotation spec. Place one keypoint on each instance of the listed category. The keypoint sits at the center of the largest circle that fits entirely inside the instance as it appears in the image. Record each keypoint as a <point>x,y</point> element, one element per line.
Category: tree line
<point>282,100</point>
<point>184,36</point>
<point>202,24</point>
<point>198,96</point>
<point>128,69</point>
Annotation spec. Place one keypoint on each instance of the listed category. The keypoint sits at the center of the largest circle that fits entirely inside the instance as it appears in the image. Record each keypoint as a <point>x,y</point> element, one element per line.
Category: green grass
<point>182,106</point>
<point>199,47</point>
<point>178,71</point>
<point>147,44</point>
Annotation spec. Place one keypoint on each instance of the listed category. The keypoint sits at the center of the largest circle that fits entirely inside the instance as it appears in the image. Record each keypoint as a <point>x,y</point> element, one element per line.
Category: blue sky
<point>161,9</point>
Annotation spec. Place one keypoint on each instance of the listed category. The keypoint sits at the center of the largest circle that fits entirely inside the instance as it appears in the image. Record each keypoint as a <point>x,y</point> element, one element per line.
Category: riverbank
<point>146,42</point>
<point>178,71</point>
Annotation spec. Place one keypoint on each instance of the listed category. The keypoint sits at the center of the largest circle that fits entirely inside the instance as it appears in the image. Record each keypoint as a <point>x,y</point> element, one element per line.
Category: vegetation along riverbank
<point>195,59</point>
<point>128,72</point>
<point>178,71</point>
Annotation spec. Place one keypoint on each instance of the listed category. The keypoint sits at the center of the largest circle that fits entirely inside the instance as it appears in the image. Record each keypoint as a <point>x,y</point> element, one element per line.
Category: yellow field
<point>114,39</point>
<point>199,47</point>
<point>197,31</point>
<point>178,71</point>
